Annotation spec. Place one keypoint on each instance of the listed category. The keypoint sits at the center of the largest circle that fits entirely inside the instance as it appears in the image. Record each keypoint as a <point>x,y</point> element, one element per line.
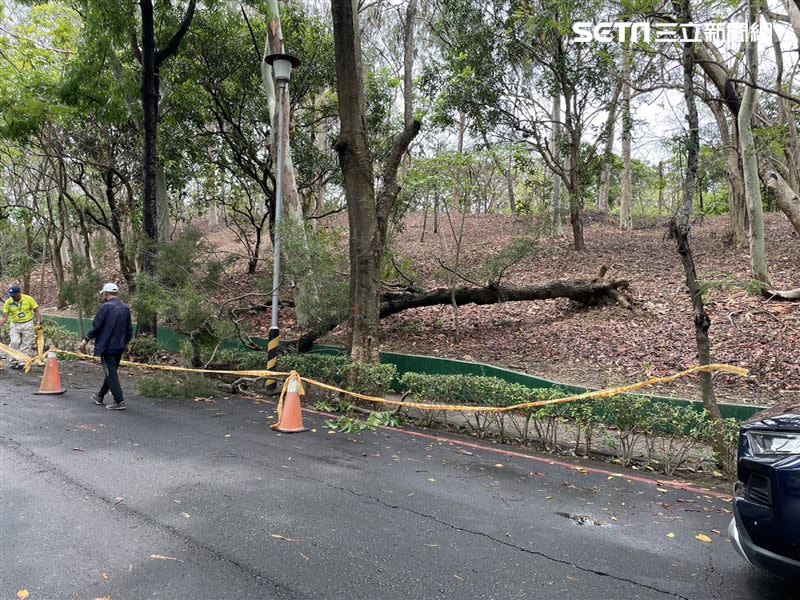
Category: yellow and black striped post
<point>273,342</point>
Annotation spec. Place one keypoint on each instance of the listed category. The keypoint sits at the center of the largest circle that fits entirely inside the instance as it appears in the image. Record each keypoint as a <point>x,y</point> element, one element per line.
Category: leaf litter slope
<point>560,340</point>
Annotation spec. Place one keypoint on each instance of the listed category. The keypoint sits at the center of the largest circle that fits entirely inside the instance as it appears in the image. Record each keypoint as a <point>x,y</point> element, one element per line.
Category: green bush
<point>667,431</point>
<point>145,348</point>
<point>467,389</point>
<point>168,386</point>
<point>672,432</point>
<point>341,371</point>
<point>368,378</point>
<point>60,337</point>
<point>237,360</point>
<point>491,391</point>
<point>628,416</point>
<point>324,367</point>
<point>727,430</point>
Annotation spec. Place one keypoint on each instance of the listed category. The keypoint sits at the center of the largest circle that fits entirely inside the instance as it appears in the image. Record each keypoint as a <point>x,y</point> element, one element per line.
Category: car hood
<point>781,417</point>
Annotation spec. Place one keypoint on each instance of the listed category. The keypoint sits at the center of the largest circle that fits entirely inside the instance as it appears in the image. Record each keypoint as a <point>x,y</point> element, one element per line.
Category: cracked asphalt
<point>183,499</point>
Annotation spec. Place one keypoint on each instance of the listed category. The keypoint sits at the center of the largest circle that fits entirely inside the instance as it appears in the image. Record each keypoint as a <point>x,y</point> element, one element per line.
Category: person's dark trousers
<point>111,381</point>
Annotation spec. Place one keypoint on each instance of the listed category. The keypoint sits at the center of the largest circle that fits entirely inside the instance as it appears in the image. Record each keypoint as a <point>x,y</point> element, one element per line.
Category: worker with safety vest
<point>23,312</point>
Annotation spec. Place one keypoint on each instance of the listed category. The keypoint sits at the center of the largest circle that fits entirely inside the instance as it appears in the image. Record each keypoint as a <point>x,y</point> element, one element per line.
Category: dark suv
<point>765,528</point>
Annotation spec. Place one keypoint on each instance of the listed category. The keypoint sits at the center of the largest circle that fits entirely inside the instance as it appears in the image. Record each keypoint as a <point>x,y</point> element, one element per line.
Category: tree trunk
<point>149,90</point>
<point>408,62</point>
<point>512,201</point>
<point>162,199</point>
<point>626,199</point>
<point>355,160</point>
<point>586,292</point>
<point>575,199</point>
<point>45,249</point>
<point>786,198</point>
<point>702,323</point>
<point>681,225</point>
<point>752,185</point>
<point>436,213</point>
<point>793,12</point>
<point>574,175</point>
<point>787,120</point>
<point>555,150</point>
<point>127,268</point>
<point>451,276</point>
<point>733,172</point>
<point>462,126</point>
<point>26,275</point>
<point>85,240</point>
<point>368,216</point>
<point>151,59</point>
<point>603,204</point>
<point>319,184</point>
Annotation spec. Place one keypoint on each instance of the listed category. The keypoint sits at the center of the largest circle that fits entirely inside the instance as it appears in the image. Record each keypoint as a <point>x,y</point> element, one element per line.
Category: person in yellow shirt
<point>23,311</point>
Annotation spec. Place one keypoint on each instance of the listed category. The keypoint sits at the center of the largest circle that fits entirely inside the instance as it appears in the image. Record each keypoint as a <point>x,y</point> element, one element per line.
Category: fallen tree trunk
<point>588,293</point>
<point>585,292</point>
<point>782,294</point>
<point>788,201</point>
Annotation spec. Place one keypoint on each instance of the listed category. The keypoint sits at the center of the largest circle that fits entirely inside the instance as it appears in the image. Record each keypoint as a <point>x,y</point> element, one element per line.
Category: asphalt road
<point>195,500</point>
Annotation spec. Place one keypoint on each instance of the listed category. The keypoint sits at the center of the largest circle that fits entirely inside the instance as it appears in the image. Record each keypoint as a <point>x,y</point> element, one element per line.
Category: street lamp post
<point>282,65</point>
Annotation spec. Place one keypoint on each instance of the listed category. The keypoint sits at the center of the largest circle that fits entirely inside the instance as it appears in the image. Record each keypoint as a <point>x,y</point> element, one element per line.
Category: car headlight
<point>769,442</point>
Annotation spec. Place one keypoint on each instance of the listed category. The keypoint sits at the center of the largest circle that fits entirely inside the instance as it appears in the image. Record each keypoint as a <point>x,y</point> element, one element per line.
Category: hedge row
<point>630,425</point>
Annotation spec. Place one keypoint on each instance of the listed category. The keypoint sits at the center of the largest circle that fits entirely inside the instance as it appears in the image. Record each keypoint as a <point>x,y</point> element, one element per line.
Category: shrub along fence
<point>664,434</point>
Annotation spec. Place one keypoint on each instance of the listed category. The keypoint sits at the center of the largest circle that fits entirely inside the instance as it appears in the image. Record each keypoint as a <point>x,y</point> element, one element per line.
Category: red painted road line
<point>675,485</point>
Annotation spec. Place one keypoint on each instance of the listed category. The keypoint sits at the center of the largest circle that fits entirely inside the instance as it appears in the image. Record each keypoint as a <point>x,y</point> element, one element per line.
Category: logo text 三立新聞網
<point>732,33</point>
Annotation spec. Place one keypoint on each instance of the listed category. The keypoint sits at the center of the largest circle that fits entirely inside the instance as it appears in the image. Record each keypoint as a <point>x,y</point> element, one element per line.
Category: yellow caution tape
<point>293,376</point>
<point>19,356</point>
<point>538,404</point>
<point>39,339</point>
<point>129,363</point>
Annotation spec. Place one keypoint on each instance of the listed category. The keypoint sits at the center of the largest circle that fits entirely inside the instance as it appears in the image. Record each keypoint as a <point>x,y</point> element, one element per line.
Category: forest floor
<point>607,345</point>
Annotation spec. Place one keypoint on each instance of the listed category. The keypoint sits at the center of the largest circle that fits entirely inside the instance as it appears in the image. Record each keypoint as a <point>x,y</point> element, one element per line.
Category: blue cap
<point>14,289</point>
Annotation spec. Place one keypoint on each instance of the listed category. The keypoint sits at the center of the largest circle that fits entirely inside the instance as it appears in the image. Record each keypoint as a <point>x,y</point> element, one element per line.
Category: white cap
<point>110,288</point>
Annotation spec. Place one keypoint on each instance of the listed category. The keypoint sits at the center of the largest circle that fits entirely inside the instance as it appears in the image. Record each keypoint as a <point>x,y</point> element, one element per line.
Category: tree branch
<point>173,44</point>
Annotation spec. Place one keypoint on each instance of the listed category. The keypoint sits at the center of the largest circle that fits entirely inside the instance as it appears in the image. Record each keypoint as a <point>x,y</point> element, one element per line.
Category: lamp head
<point>282,65</point>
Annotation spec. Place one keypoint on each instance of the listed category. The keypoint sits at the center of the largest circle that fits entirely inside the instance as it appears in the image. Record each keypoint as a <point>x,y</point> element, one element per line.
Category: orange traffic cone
<point>51,380</point>
<point>290,416</point>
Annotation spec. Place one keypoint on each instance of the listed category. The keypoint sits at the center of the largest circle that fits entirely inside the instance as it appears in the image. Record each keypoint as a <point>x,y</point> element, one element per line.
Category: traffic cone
<point>51,380</point>
<point>290,416</point>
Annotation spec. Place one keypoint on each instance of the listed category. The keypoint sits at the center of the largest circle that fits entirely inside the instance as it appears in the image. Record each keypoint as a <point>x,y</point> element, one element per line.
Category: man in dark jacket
<point>111,331</point>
